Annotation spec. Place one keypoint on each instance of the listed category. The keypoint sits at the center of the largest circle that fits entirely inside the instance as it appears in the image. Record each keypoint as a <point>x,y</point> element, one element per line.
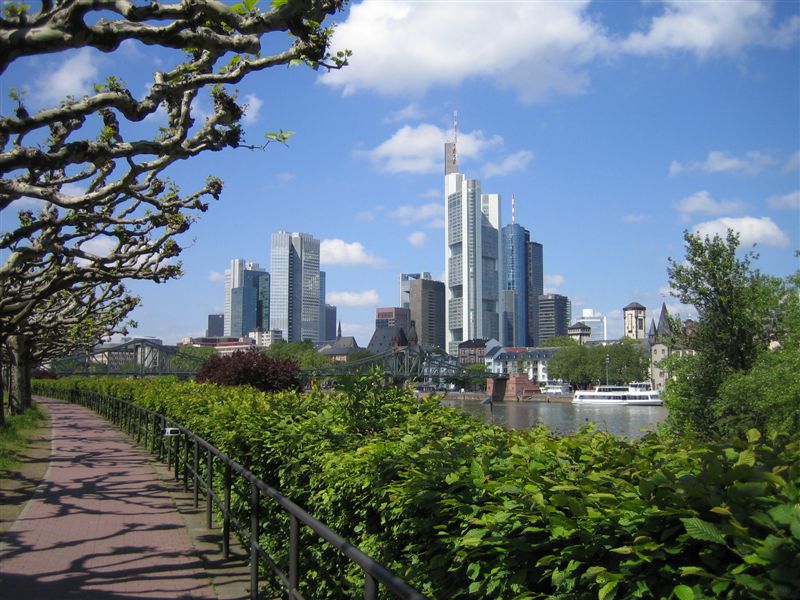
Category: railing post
<point>161,438</point>
<point>196,474</point>
<point>186,463</point>
<point>226,516</point>
<point>254,502</point>
<point>370,587</point>
<point>178,439</point>
<point>209,485</point>
<point>294,555</point>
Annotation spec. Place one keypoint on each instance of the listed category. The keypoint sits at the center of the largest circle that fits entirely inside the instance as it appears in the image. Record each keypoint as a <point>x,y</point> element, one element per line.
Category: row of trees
<point>96,172</point>
<point>585,366</point>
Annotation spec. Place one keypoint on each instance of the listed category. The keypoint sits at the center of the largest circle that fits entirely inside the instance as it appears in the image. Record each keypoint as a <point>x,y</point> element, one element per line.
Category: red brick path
<point>101,525</point>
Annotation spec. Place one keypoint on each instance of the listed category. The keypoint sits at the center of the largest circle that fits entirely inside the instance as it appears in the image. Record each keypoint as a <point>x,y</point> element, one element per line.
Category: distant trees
<point>95,170</point>
<point>302,353</point>
<point>734,381</point>
<point>255,369</point>
<point>585,366</point>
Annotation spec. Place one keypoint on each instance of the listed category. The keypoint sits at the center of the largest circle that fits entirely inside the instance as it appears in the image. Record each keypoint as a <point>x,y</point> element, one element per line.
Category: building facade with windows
<point>295,286</point>
<point>406,279</point>
<point>515,286</point>
<point>234,278</point>
<point>427,311</point>
<point>554,316</point>
<point>473,258</point>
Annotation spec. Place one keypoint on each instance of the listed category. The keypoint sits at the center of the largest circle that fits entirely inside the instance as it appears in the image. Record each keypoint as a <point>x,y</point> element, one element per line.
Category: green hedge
<point>461,509</point>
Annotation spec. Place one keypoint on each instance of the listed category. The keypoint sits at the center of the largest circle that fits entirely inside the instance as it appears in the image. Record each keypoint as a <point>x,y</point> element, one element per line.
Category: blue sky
<point>617,125</point>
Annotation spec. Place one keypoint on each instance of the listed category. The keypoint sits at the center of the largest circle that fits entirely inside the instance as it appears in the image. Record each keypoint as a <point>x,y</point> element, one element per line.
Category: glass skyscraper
<point>515,279</point>
<point>295,286</point>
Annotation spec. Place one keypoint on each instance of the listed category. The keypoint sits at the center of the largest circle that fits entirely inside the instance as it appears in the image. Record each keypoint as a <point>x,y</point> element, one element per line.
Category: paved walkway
<point>101,525</point>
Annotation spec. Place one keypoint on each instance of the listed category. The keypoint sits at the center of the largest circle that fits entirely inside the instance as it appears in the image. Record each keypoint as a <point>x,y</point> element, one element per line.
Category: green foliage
<point>462,509</point>
<point>559,341</point>
<point>728,386</point>
<point>586,365</point>
<point>15,435</point>
<point>303,353</point>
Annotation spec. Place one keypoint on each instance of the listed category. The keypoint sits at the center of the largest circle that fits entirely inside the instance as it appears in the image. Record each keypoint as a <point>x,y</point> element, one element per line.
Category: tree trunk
<point>2,386</point>
<point>22,351</point>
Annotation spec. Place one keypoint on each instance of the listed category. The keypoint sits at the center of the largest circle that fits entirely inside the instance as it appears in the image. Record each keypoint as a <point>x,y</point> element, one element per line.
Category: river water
<point>563,417</point>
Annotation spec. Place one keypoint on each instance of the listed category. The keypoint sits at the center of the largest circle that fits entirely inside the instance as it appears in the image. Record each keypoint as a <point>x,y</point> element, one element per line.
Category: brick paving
<point>101,525</point>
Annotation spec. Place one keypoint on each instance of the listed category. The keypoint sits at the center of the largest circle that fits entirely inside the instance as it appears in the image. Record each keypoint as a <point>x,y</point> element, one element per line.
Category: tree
<point>302,353</point>
<point>740,311</point>
<point>100,145</point>
<point>255,369</point>
<point>584,366</point>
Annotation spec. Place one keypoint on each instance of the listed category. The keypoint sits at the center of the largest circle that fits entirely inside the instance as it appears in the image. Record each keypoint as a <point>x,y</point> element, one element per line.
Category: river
<point>564,417</point>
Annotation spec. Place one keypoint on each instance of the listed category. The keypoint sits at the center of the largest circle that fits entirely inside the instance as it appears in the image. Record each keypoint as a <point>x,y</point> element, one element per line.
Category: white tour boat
<point>634,394</point>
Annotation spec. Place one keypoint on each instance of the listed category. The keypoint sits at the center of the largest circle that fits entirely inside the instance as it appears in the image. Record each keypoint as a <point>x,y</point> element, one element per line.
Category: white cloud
<point>253,105</point>
<point>216,276</point>
<point>510,164</point>
<point>534,48</point>
<point>751,230</point>
<point>339,252</point>
<point>73,78</point>
<point>432,215</point>
<point>790,201</point>
<point>632,219</point>
<point>431,193</point>
<point>717,161</point>
<point>702,202</point>
<point>286,176</point>
<point>710,28</point>
<point>365,298</point>
<point>410,112</point>
<point>420,149</point>
<point>418,239</point>
<point>793,164</point>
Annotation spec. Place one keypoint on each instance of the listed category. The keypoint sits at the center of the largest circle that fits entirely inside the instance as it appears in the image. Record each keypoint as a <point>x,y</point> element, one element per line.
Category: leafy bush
<point>251,368</point>
<point>462,509</point>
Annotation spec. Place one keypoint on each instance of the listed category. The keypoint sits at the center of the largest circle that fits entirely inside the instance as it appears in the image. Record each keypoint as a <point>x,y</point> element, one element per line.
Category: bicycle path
<point>101,525</point>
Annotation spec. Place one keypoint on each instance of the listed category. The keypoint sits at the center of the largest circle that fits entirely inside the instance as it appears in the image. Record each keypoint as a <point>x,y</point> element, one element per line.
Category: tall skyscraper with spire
<point>514,316</point>
<point>473,258</point>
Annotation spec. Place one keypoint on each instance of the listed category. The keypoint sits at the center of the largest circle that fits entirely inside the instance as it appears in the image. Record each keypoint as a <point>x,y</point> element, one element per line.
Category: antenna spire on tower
<point>513,209</point>
<point>455,135</point>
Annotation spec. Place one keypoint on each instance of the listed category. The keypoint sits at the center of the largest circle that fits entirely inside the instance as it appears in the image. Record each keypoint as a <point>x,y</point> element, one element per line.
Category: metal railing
<point>185,453</point>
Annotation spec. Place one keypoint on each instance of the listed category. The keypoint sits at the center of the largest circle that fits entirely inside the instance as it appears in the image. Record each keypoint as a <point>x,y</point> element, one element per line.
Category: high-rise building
<point>535,280</point>
<point>427,311</point>
<point>515,286</point>
<point>216,325</point>
<point>330,322</point>
<point>554,316</point>
<point>233,279</point>
<point>405,286</point>
<point>473,260</point>
<point>394,316</point>
<point>323,324</point>
<point>597,323</point>
<point>250,303</point>
<point>295,286</point>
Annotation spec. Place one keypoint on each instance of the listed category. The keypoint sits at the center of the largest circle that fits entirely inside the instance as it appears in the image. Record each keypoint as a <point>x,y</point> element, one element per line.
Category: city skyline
<point>615,125</point>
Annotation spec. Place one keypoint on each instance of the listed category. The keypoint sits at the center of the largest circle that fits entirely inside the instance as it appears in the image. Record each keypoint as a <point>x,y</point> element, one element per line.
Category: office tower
<point>473,261</point>
<point>330,322</point>
<point>405,286</point>
<point>393,317</point>
<point>596,322</point>
<point>233,279</point>
<point>634,316</point>
<point>216,325</point>
<point>515,285</point>
<point>250,303</point>
<point>427,311</point>
<point>295,286</point>
<point>535,281</point>
<point>323,325</point>
<point>554,316</point>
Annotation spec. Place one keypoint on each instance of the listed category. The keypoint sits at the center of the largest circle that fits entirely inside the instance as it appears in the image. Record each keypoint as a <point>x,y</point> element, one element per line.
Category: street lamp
<point>608,360</point>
